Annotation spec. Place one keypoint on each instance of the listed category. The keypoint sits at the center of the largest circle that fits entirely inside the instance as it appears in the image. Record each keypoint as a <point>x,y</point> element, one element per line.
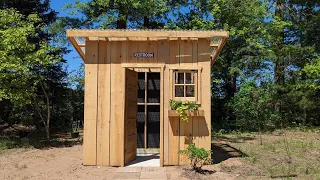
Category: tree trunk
<point>122,21</point>
<point>279,68</point>
<point>146,22</point>
<point>304,116</point>
<point>47,124</point>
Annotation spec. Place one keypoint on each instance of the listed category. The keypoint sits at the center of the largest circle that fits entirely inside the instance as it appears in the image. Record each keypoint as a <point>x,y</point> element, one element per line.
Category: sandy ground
<point>65,163</point>
<point>55,163</point>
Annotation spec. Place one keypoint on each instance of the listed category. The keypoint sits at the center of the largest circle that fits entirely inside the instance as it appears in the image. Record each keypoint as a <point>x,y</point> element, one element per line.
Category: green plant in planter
<point>197,156</point>
<point>182,106</point>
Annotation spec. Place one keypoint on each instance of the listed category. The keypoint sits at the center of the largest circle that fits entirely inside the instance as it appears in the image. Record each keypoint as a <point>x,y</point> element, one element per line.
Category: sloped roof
<point>78,37</point>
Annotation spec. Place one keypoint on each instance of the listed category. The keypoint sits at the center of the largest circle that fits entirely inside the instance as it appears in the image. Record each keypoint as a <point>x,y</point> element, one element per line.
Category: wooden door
<point>130,119</point>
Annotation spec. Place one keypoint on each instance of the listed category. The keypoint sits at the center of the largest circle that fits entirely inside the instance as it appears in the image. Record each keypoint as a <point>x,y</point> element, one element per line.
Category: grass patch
<point>282,153</point>
<point>11,142</point>
<point>15,142</point>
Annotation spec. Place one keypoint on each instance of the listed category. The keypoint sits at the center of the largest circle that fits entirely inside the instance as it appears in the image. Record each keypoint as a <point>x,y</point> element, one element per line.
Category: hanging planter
<point>199,113</point>
<point>184,109</point>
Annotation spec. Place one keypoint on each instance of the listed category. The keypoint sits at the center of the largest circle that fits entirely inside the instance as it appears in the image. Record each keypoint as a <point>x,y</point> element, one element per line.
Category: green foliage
<point>18,56</point>
<point>312,71</point>
<point>119,14</point>
<point>197,156</point>
<point>182,107</point>
<point>253,108</point>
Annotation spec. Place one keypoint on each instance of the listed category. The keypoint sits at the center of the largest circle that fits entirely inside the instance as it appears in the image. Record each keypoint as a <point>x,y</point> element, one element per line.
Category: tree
<point>292,49</point>
<point>117,14</point>
<point>19,58</point>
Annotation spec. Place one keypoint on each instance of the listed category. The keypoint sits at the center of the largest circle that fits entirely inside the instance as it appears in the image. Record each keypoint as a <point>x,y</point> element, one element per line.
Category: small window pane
<point>190,91</point>
<point>179,91</point>
<point>179,78</point>
<point>189,78</point>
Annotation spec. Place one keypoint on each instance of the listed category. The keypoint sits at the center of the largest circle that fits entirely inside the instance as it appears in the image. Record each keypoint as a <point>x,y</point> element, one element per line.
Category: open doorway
<point>148,120</point>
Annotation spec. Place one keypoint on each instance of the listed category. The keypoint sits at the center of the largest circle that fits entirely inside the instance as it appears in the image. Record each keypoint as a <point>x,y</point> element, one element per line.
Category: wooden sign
<point>143,55</point>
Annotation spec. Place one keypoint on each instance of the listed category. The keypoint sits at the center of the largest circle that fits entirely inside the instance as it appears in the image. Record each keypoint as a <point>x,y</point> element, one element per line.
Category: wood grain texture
<point>173,136</point>
<point>103,125</point>
<point>195,119</point>
<point>182,125</point>
<point>105,99</point>
<point>161,118</point>
<point>145,33</point>
<point>188,113</point>
<point>173,141</point>
<point>164,57</point>
<point>205,122</point>
<point>90,105</point>
<point>188,61</point>
<point>143,47</point>
<point>130,118</point>
<point>117,109</point>
<point>132,48</point>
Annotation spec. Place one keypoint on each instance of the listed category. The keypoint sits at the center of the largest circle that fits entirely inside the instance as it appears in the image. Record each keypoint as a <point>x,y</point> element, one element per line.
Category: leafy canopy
<point>18,56</point>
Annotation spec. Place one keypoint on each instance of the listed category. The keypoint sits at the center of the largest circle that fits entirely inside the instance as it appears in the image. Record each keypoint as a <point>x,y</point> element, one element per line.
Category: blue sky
<point>72,58</point>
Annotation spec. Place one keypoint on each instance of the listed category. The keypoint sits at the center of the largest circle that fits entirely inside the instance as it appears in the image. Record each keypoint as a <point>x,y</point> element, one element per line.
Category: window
<point>185,85</point>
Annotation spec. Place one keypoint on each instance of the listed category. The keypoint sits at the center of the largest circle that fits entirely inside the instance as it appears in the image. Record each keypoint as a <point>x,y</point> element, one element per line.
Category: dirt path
<point>65,163</point>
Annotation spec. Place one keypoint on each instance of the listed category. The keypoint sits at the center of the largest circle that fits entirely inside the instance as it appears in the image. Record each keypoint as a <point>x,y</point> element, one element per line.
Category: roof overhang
<point>78,38</point>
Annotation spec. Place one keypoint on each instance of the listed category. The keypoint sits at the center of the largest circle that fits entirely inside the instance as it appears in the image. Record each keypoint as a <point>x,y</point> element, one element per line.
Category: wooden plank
<point>132,110</point>
<point>124,52</point>
<point>174,52</point>
<point>173,121</point>
<point>103,106</point>
<point>140,65</point>
<point>173,140</point>
<point>145,111</point>
<point>132,48</point>
<point>90,105</point>
<point>130,130</point>
<point>186,67</point>
<point>132,144</point>
<point>205,122</point>
<point>185,127</point>
<point>143,46</point>
<point>145,33</point>
<point>161,118</point>
<point>130,115</point>
<point>153,48</point>
<point>195,119</point>
<point>164,57</point>
<point>173,113</point>
<point>117,109</point>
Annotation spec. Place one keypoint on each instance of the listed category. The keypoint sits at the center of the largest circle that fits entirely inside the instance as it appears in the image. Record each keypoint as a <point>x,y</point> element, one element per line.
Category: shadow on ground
<point>58,140</point>
<point>222,152</point>
<point>237,139</point>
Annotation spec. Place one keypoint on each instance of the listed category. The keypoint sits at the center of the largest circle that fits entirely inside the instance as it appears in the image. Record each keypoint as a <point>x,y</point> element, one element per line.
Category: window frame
<point>197,83</point>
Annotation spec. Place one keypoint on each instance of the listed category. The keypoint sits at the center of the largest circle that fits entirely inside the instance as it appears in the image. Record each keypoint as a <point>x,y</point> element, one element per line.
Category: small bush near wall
<point>197,156</point>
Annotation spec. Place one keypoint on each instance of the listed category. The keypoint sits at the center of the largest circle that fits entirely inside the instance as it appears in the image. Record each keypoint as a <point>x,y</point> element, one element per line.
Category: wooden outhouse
<point>130,77</point>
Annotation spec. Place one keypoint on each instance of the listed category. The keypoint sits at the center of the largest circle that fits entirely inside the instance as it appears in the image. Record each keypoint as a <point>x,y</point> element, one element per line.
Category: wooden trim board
<point>145,33</point>
<point>173,113</point>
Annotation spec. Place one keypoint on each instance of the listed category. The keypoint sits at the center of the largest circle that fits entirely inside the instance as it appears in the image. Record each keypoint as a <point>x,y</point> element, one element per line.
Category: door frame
<point>159,67</point>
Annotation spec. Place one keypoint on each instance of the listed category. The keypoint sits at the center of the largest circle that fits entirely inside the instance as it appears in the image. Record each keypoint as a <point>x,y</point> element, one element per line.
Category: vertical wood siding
<point>104,98</point>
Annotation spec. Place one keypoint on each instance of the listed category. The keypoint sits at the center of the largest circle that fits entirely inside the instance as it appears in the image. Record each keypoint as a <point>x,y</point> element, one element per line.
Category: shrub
<point>197,156</point>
